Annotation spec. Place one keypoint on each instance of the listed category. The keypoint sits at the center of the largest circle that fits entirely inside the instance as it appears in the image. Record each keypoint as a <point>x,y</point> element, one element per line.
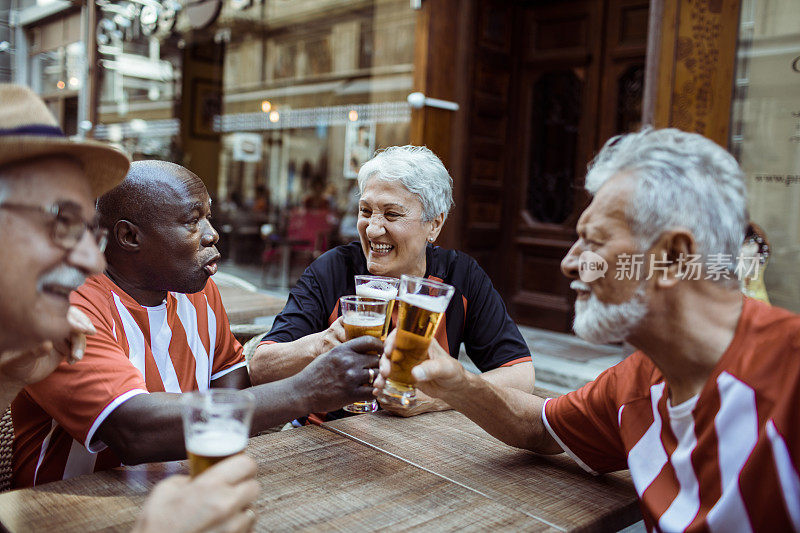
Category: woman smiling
<point>406,194</point>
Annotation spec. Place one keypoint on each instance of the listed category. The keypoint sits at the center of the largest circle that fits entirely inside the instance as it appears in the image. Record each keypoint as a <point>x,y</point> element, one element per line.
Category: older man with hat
<point>51,242</point>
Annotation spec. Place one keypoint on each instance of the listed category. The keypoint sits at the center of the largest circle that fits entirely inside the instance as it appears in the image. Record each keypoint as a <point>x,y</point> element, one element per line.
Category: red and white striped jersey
<point>725,460</point>
<point>181,345</point>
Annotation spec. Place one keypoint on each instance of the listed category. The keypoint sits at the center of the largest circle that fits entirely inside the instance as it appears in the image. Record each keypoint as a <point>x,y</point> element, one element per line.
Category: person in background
<point>704,414</point>
<point>161,330</point>
<point>52,242</point>
<point>405,196</point>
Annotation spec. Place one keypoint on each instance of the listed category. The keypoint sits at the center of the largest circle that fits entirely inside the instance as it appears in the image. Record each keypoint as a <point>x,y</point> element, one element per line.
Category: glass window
<point>139,79</point>
<point>310,91</point>
<point>765,135</point>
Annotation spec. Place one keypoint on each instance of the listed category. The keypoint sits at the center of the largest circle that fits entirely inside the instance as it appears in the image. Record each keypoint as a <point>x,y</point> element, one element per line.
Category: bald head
<point>149,188</point>
<point>160,234</point>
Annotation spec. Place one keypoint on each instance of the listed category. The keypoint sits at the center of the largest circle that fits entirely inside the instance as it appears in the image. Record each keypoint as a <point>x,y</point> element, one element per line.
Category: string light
<point>352,116</point>
<point>266,106</point>
<point>274,116</point>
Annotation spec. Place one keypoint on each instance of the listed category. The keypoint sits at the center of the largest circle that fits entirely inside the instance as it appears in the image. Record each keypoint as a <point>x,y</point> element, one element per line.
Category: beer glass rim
<point>379,278</point>
<point>218,397</point>
<point>427,281</point>
<point>362,300</point>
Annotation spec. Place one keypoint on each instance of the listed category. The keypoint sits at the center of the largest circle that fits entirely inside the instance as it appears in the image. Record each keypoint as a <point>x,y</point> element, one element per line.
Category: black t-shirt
<point>475,316</point>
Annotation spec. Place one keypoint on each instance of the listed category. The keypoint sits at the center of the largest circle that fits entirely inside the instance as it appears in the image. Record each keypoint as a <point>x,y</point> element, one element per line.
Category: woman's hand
<point>331,337</point>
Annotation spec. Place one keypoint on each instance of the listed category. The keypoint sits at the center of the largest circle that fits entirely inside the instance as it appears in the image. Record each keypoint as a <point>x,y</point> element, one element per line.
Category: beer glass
<point>379,287</point>
<point>421,305</point>
<point>216,425</point>
<point>363,316</point>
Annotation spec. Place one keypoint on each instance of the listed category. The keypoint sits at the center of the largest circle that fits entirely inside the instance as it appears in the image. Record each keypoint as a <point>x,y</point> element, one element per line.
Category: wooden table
<point>553,489</point>
<point>439,472</point>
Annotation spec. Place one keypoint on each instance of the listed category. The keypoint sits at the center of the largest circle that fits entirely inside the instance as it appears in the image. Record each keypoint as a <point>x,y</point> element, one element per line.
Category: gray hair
<point>419,170</point>
<point>684,180</point>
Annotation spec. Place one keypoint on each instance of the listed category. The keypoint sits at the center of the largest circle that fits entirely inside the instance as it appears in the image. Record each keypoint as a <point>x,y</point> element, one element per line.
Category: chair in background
<point>308,234</point>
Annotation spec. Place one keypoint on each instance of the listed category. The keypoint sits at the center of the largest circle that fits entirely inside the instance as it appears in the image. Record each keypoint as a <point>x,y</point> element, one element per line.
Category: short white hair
<point>683,180</point>
<point>419,170</point>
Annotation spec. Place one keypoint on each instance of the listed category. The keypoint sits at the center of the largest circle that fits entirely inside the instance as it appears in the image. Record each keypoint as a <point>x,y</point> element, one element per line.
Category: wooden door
<point>551,82</point>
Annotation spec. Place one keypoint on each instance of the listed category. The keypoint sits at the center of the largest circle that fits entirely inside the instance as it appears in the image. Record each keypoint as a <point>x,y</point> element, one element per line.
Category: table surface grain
<point>553,489</point>
<point>371,472</point>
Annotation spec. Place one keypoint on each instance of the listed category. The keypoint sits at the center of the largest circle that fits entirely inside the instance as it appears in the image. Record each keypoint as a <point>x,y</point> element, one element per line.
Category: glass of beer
<point>363,316</point>
<point>379,287</point>
<point>421,305</point>
<point>216,425</point>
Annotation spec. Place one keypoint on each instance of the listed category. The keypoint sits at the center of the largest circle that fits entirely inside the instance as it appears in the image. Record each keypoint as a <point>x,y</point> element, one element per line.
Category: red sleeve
<point>228,354</point>
<point>80,396</point>
<point>585,423</point>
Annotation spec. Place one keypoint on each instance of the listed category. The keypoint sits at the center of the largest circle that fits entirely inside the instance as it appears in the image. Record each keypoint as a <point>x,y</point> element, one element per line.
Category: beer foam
<point>366,320</point>
<point>434,304</point>
<point>380,290</point>
<point>215,443</point>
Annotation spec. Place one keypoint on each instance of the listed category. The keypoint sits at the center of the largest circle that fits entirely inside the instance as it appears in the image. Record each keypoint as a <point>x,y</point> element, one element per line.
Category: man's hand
<point>342,375</point>
<point>331,337</point>
<point>217,500</point>
<point>24,368</point>
<point>435,377</point>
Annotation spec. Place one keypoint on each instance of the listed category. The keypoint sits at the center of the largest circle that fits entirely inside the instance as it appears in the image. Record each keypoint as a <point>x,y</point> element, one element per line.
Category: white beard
<point>602,323</point>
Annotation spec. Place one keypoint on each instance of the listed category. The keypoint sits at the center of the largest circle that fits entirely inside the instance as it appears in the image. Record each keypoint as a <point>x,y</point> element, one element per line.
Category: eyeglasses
<point>68,223</point>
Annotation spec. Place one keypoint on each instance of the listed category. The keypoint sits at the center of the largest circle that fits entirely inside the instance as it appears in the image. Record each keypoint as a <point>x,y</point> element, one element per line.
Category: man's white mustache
<point>64,276</point>
<point>579,286</point>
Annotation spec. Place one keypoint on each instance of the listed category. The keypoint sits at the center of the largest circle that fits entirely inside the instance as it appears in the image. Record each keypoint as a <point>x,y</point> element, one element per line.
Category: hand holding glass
<point>216,425</point>
<point>422,303</point>
<point>363,316</point>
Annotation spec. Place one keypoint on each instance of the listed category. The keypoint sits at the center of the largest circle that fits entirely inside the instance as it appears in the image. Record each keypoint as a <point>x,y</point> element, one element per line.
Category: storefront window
<point>275,104</point>
<point>765,135</point>
<point>310,91</point>
<point>57,66</point>
<point>139,81</point>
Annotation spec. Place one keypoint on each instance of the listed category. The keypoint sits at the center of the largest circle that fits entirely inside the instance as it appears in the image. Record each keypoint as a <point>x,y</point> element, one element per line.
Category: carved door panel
<point>549,82</point>
<point>581,82</point>
<point>557,133</point>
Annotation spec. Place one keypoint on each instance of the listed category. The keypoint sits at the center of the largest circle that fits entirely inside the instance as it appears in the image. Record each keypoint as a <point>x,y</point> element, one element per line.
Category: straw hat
<point>28,130</point>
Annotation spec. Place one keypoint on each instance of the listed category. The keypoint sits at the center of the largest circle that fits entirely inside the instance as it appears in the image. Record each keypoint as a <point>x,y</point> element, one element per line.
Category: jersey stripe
<point>212,335</point>
<point>134,336</point>
<point>790,482</point>
<point>43,450</point>
<point>79,461</point>
<point>187,314</point>
<point>736,425</point>
<point>647,457</point>
<point>684,507</point>
<point>99,446</point>
<point>561,443</point>
<point>160,337</point>
<point>516,361</point>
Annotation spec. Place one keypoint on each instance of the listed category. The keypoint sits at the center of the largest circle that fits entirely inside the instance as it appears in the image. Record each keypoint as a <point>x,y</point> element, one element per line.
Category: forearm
<point>272,362</point>
<point>148,428</point>
<point>520,376</point>
<point>508,414</point>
